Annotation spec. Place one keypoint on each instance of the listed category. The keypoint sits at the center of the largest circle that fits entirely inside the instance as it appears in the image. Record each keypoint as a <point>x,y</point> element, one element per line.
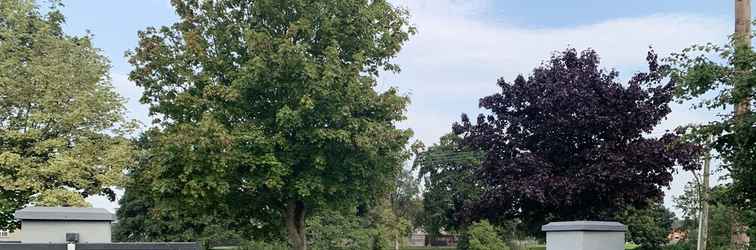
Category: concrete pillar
<point>585,235</point>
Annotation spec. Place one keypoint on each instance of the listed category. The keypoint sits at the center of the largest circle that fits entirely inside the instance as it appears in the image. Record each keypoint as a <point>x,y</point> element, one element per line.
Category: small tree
<point>648,227</point>
<point>483,236</point>
<point>569,142</point>
<point>447,171</point>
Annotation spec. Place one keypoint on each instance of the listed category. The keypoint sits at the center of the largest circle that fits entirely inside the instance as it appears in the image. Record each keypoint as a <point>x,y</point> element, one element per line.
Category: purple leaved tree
<point>570,142</point>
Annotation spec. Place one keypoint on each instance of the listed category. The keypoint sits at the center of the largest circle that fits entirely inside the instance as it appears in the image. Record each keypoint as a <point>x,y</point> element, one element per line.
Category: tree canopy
<point>570,142</point>
<point>271,107</point>
<point>447,171</point>
<point>720,77</point>
<point>648,227</point>
<point>62,124</point>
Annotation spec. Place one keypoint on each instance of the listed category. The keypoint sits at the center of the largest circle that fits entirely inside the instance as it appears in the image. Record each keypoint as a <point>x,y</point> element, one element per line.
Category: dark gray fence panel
<point>103,246</point>
<point>138,246</point>
<point>18,246</point>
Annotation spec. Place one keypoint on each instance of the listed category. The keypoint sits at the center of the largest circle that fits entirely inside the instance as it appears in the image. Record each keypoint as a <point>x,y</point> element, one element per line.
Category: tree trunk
<point>295,224</point>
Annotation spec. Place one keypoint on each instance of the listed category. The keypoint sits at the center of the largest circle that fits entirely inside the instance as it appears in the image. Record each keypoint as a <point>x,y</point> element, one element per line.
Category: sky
<point>463,47</point>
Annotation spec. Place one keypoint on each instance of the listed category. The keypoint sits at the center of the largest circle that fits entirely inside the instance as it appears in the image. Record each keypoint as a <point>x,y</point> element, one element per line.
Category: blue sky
<point>566,13</point>
<point>463,46</point>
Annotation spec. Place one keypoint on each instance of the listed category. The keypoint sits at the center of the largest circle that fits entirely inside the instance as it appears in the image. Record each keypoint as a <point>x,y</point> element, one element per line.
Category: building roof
<point>604,226</point>
<point>64,213</point>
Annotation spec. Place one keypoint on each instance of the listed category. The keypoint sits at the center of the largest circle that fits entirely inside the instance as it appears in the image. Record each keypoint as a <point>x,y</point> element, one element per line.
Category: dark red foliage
<point>568,142</point>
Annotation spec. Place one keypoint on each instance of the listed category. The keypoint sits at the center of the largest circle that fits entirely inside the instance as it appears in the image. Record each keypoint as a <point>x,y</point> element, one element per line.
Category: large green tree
<point>270,107</point>
<point>62,124</point>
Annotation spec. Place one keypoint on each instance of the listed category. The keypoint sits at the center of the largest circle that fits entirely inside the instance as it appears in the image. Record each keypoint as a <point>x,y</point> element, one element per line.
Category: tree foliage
<point>568,142</point>
<point>62,124</point>
<point>269,109</point>
<point>725,219</point>
<point>648,227</point>
<point>483,236</point>
<point>142,217</point>
<point>720,77</point>
<point>405,200</point>
<point>447,171</point>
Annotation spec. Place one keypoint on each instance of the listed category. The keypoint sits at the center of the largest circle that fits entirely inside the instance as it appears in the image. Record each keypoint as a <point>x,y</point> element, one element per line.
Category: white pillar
<point>585,235</point>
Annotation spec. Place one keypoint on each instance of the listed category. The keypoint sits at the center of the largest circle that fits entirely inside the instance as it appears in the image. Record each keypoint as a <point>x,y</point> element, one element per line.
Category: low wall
<point>32,246</point>
<point>103,246</point>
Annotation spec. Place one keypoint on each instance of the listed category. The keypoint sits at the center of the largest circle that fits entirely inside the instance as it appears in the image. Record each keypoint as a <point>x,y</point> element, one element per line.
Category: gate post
<point>585,235</point>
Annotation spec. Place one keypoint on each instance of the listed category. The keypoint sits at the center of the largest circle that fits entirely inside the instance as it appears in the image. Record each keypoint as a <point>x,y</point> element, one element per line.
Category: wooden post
<point>742,41</point>
<point>703,225</point>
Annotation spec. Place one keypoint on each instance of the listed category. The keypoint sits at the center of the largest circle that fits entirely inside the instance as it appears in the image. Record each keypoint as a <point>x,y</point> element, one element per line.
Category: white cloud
<point>456,58</point>
<point>129,91</point>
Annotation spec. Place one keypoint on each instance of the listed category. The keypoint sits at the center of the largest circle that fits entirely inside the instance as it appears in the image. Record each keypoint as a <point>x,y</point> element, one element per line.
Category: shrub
<point>329,230</point>
<point>483,236</point>
<point>680,246</point>
<point>260,245</point>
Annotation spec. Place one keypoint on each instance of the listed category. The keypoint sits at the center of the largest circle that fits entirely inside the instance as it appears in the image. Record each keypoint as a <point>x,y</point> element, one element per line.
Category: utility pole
<point>742,41</point>
<point>703,223</point>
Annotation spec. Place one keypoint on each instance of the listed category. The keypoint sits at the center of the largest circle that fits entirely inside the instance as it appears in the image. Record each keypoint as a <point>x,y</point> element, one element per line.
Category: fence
<point>103,246</point>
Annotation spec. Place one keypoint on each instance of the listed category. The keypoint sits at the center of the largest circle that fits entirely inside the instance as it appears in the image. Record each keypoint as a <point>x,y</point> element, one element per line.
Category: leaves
<point>722,78</point>
<point>567,142</point>
<point>448,172</point>
<point>269,102</point>
<point>62,126</point>
<point>483,236</point>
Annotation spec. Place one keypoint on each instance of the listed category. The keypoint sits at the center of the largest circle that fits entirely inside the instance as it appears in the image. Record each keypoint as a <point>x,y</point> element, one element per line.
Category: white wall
<point>585,240</point>
<point>55,231</point>
<point>14,236</point>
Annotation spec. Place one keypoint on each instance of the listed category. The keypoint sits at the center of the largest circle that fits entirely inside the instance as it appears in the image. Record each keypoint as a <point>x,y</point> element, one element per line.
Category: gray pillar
<point>585,235</point>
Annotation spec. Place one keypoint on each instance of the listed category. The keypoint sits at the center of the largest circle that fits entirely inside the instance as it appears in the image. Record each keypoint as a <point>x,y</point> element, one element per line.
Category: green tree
<point>406,202</point>
<point>720,77</point>
<point>330,229</point>
<point>269,109</point>
<point>62,126</point>
<point>143,218</point>
<point>725,220</point>
<point>447,171</point>
<point>391,229</point>
<point>648,227</point>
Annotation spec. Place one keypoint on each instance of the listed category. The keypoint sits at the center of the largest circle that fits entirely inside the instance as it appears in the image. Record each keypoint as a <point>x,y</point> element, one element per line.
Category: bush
<point>680,246</point>
<point>648,227</point>
<point>334,230</point>
<point>483,236</point>
<point>259,245</point>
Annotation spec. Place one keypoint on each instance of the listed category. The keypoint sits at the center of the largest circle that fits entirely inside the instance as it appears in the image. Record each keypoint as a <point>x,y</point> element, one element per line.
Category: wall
<point>585,240</point>
<point>14,236</point>
<point>55,231</point>
<point>110,246</point>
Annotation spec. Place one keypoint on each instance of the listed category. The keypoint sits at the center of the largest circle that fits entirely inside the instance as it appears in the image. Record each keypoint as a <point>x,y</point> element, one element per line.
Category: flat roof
<point>603,226</point>
<point>64,213</point>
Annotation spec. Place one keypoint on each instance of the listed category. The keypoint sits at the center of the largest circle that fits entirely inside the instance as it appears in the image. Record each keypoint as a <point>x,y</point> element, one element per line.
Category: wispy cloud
<point>457,56</point>
<point>459,53</point>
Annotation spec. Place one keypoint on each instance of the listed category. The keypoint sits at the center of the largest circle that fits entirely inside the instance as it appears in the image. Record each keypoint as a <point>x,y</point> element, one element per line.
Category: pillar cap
<point>600,226</point>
